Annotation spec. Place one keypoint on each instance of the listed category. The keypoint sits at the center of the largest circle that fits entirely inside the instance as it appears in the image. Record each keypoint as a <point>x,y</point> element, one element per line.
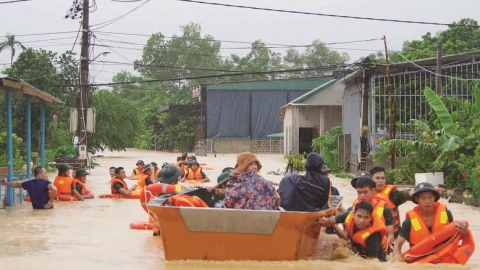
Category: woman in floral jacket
<point>246,189</point>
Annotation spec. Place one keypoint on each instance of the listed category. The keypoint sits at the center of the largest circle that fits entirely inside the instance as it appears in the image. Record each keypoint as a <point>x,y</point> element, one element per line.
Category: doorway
<point>305,138</point>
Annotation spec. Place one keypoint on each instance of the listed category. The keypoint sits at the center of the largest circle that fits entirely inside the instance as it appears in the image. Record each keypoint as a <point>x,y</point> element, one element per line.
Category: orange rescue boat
<point>223,234</point>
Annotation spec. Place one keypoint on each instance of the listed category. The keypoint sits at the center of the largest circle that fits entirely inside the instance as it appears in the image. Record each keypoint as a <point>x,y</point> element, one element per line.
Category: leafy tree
<point>318,55</point>
<point>11,44</point>
<point>44,70</point>
<point>259,59</point>
<point>116,120</point>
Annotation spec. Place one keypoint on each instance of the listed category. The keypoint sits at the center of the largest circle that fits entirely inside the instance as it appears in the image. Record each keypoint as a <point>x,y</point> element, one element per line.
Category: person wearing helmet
<point>365,187</point>
<point>195,173</point>
<point>428,217</point>
<point>138,171</point>
<point>79,189</point>
<point>147,176</point>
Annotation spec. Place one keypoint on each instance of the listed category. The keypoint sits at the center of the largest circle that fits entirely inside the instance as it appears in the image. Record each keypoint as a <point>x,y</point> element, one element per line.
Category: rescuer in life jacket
<point>392,197</point>
<point>138,171</point>
<point>366,231</point>
<point>79,189</point>
<point>118,185</point>
<point>195,173</point>
<point>428,217</point>
<point>63,182</point>
<point>365,187</point>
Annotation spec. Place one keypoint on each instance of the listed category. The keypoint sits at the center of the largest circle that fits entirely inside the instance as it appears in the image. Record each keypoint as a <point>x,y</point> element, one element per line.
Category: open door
<point>305,140</point>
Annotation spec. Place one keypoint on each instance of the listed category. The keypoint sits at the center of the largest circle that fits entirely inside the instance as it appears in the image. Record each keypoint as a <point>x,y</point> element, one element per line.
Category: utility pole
<point>438,77</point>
<point>391,117</point>
<point>84,87</point>
<point>364,150</point>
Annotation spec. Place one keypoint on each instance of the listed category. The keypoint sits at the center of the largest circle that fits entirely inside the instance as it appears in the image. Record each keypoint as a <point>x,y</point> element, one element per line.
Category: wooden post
<point>438,77</point>
<point>364,128</point>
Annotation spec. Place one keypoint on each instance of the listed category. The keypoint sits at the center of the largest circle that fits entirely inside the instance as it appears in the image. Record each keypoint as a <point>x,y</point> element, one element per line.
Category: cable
<point>110,48</point>
<point>207,76</point>
<point>280,46</point>
<point>163,66</point>
<point>78,33</point>
<point>429,71</point>
<point>318,14</point>
<point>50,39</point>
<point>43,34</point>
<point>239,42</point>
<point>106,23</point>
<point>14,1</point>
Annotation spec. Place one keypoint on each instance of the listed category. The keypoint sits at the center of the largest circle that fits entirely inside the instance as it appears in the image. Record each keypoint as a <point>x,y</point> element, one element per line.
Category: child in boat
<point>248,190</point>
<point>367,232</point>
<point>428,217</point>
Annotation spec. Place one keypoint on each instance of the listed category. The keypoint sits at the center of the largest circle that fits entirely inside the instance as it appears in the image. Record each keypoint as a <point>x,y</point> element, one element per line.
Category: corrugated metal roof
<point>313,92</point>
<point>23,88</point>
<point>301,84</point>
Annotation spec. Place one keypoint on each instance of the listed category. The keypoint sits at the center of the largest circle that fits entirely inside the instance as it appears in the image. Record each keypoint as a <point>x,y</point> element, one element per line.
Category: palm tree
<point>11,43</point>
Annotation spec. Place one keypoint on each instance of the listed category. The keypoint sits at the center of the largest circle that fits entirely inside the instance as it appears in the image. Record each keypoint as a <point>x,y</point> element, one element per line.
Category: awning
<point>275,135</point>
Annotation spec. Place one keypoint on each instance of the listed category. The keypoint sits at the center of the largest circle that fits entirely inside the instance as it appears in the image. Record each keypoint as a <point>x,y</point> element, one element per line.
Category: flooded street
<point>95,234</point>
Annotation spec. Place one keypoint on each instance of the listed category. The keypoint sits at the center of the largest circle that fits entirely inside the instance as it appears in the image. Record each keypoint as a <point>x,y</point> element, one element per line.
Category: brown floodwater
<point>95,234</point>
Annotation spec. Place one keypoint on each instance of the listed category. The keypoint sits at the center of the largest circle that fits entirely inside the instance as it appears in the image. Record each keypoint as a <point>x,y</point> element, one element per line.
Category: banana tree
<point>434,147</point>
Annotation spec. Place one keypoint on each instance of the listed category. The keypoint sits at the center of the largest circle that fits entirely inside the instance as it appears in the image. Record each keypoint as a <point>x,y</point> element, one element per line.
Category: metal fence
<point>458,80</point>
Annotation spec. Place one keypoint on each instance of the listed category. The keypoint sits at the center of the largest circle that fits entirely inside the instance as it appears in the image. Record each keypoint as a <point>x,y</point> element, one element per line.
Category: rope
<point>433,251</point>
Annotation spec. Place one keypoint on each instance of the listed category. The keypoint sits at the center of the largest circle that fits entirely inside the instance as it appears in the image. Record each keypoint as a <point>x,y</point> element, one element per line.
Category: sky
<point>226,23</point>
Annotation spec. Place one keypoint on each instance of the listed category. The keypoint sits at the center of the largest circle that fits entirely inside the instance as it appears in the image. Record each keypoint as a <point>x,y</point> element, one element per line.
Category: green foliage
<point>17,145</point>
<point>447,143</point>
<point>117,123</point>
<point>10,43</point>
<point>328,146</point>
<point>442,113</point>
<point>460,37</point>
<point>296,162</point>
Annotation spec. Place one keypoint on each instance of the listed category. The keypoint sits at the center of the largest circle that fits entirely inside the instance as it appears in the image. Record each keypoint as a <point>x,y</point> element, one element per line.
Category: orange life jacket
<point>385,195</point>
<point>74,185</point>
<point>418,228</point>
<point>155,173</point>
<point>186,200</point>
<point>142,180</point>
<point>195,175</point>
<point>119,181</point>
<point>63,184</point>
<point>377,209</point>
<point>137,171</point>
<point>444,246</point>
<point>360,237</point>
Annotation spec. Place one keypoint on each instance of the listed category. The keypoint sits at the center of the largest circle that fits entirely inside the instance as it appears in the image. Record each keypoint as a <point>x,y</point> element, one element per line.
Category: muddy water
<point>95,234</point>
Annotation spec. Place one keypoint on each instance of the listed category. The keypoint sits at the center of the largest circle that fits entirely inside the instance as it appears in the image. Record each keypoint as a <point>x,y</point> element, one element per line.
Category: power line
<point>106,23</point>
<point>238,42</point>
<point>14,1</point>
<point>173,67</point>
<point>429,71</point>
<point>318,14</point>
<point>43,34</point>
<point>50,39</point>
<point>206,76</point>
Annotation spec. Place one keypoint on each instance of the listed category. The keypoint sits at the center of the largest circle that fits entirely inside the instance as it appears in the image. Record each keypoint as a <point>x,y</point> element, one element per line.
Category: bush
<point>328,146</point>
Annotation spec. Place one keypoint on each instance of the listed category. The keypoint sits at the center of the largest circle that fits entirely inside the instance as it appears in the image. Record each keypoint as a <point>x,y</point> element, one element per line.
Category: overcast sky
<point>225,23</point>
